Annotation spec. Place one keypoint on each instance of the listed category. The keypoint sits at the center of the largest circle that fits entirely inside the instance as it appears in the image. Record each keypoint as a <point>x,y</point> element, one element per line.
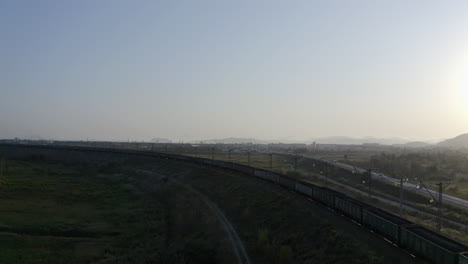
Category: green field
<point>142,211</point>
<point>56,213</point>
<point>83,213</point>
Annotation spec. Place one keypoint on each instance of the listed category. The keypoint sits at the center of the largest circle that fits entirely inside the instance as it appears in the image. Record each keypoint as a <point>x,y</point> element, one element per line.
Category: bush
<point>263,244</point>
<point>286,255</point>
<point>200,251</point>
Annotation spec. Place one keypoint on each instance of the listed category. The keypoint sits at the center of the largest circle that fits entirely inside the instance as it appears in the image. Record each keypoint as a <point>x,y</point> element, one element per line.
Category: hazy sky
<point>118,70</point>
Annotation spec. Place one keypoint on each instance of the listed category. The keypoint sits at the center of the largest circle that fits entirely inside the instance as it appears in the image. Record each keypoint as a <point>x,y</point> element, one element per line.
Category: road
<point>446,198</point>
<point>394,203</point>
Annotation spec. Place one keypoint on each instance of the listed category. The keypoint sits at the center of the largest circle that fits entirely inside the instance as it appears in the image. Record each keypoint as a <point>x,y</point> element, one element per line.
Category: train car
<point>304,188</point>
<point>267,175</point>
<point>274,177</point>
<point>421,241</point>
<point>430,245</point>
<point>166,155</point>
<point>182,158</point>
<point>217,163</point>
<point>242,168</point>
<point>208,162</point>
<point>287,182</point>
<point>326,196</point>
<point>463,258</point>
<point>350,207</point>
<point>230,165</point>
<point>261,173</point>
<point>384,223</point>
<point>197,160</point>
<point>226,165</point>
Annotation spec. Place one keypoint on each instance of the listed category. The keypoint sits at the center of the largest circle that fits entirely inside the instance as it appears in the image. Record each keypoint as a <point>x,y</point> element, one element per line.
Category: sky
<point>194,70</point>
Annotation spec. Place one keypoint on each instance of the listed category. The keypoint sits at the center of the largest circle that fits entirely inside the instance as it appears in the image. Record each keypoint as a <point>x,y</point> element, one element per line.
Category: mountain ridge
<point>460,141</point>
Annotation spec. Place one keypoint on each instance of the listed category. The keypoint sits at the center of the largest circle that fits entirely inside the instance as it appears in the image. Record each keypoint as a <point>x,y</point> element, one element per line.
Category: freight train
<point>414,238</point>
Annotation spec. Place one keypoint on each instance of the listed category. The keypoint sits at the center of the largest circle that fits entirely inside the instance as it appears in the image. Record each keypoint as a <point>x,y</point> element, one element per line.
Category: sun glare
<point>461,84</point>
<point>463,95</point>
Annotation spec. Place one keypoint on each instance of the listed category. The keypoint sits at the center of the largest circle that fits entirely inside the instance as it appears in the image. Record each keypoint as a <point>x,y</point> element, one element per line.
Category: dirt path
<point>236,242</point>
<point>231,233</point>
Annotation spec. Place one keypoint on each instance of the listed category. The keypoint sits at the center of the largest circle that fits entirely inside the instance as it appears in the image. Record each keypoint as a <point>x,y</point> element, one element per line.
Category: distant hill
<point>233,140</point>
<point>460,141</point>
<point>414,144</point>
<point>343,140</point>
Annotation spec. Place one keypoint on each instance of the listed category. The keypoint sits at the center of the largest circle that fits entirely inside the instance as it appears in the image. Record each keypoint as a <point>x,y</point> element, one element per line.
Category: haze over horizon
<point>197,70</point>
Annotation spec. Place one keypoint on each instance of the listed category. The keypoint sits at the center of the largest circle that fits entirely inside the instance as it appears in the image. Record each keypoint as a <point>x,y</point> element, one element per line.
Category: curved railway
<point>415,239</point>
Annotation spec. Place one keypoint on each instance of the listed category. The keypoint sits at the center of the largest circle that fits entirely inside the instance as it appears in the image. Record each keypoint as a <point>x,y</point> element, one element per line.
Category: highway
<point>394,203</point>
<point>446,198</point>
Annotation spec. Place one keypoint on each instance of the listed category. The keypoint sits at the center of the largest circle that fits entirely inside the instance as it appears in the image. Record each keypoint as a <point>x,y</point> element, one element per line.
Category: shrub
<point>286,255</point>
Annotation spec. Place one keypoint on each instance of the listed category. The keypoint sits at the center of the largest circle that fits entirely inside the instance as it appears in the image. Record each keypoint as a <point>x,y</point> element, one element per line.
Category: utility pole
<point>322,170</point>
<point>401,197</point>
<point>326,174</point>
<point>295,162</point>
<point>439,203</point>
<point>370,184</point>
<point>271,161</point>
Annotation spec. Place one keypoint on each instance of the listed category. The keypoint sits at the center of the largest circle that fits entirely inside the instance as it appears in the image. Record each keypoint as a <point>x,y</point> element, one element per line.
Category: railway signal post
<point>370,184</point>
<point>438,201</point>
<point>295,162</point>
<point>401,197</point>
<point>439,211</point>
<point>326,174</point>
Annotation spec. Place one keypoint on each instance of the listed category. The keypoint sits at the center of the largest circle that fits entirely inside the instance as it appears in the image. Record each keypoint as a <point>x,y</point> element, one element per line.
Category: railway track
<point>415,239</point>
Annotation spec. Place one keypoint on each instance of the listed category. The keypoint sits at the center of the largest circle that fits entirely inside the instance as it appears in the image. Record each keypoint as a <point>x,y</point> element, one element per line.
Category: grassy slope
<point>271,220</point>
<point>48,212</point>
<point>52,213</point>
<point>285,163</point>
<point>55,213</point>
